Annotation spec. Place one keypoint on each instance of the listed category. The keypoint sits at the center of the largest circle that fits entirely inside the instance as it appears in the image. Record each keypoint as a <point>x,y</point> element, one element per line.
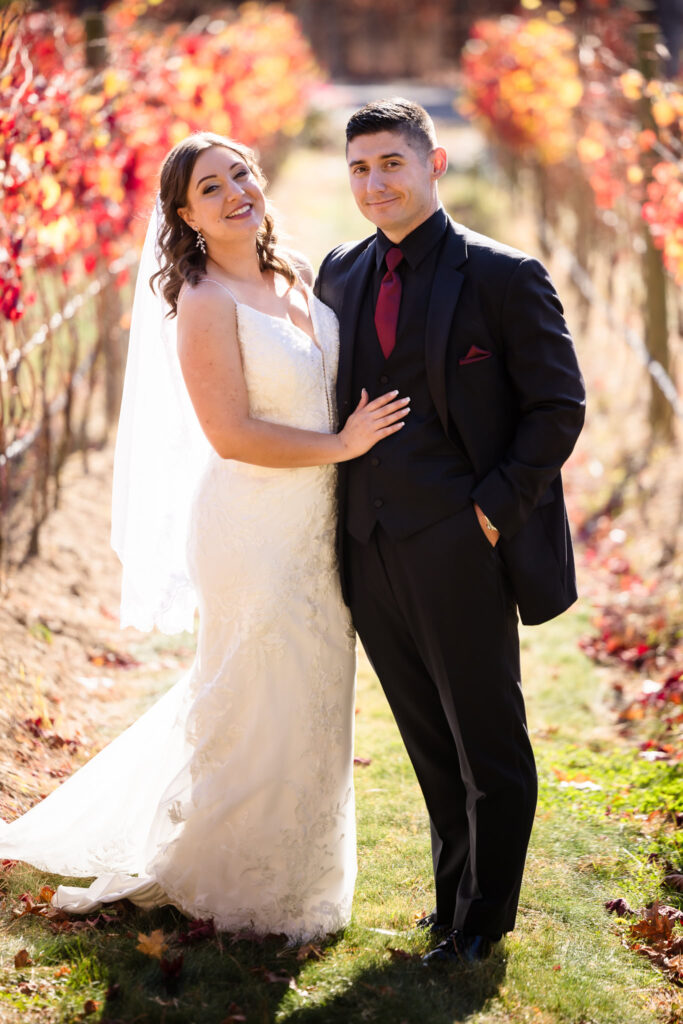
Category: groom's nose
<point>375,180</point>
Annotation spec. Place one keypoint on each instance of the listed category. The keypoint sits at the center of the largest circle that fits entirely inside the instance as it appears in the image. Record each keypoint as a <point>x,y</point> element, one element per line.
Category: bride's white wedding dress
<point>232,797</point>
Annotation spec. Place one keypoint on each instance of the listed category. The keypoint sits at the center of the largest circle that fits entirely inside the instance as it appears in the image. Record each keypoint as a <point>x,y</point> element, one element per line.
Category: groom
<point>458,520</point>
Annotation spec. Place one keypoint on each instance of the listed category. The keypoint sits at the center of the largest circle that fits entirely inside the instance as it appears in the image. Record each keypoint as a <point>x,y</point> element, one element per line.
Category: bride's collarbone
<point>291,306</point>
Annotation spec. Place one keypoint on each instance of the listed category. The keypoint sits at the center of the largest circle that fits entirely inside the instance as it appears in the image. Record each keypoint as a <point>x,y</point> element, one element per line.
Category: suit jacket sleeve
<point>543,371</point>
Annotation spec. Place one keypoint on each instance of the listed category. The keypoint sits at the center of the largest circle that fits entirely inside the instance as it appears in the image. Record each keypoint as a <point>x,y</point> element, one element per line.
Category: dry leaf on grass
<point>22,959</point>
<point>153,945</point>
<point>310,950</point>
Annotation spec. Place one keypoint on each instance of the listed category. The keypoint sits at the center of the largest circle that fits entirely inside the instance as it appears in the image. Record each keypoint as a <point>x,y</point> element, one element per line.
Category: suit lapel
<point>348,324</point>
<point>444,296</point>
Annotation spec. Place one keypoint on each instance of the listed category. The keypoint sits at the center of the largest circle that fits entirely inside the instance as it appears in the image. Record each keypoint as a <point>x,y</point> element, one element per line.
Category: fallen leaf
<point>63,971</point>
<point>22,958</point>
<point>309,950</point>
<point>90,1006</point>
<point>362,762</point>
<point>656,925</point>
<point>172,968</point>
<point>400,954</point>
<point>198,930</point>
<point>674,881</point>
<point>153,945</point>
<point>46,894</point>
<point>619,907</point>
<point>235,1015</point>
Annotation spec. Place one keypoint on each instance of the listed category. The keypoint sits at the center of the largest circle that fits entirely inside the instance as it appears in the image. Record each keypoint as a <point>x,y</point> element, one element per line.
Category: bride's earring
<point>201,242</point>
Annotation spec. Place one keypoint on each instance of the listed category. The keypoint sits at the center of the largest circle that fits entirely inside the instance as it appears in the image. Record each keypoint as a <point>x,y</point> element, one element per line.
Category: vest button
<point>374,461</point>
<point>378,503</point>
<point>384,379</point>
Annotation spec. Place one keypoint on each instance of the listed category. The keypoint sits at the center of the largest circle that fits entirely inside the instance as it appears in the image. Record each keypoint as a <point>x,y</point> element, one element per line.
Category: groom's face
<point>394,182</point>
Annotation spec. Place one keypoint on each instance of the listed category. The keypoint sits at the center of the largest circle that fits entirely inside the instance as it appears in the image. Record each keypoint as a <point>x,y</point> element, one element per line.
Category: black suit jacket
<point>502,369</point>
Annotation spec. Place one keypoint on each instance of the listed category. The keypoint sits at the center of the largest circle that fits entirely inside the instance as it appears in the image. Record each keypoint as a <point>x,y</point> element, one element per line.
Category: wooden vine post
<point>656,320</point>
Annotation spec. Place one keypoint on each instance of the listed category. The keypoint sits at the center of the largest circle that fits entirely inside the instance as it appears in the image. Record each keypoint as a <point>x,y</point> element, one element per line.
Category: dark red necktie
<point>388,302</point>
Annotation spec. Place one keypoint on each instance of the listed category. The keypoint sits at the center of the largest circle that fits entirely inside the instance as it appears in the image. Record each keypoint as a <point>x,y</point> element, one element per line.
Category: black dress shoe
<point>460,948</point>
<point>430,924</point>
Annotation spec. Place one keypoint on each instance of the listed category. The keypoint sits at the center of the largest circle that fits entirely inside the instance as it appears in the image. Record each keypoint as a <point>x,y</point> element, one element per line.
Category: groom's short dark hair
<point>394,115</point>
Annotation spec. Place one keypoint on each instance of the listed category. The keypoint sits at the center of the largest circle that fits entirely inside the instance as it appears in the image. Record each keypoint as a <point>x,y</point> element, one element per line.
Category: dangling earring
<point>201,242</point>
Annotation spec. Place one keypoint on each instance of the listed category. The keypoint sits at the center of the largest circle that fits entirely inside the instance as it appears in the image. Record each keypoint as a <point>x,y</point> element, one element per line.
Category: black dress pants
<point>437,620</point>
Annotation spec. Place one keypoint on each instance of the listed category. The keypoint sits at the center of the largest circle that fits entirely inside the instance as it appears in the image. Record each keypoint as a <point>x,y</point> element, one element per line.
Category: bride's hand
<point>371,421</point>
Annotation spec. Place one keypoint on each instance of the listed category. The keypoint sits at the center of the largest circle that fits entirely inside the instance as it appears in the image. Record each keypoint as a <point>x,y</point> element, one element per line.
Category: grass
<point>564,963</point>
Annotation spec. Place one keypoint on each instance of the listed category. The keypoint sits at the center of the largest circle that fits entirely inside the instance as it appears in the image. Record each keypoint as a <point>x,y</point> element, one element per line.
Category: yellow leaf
<point>631,83</point>
<point>589,150</point>
<point>663,113</point>
<point>59,235</point>
<point>113,83</point>
<point>153,945</point>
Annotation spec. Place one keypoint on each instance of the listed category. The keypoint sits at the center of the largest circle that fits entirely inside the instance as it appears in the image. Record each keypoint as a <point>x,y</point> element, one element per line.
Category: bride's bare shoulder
<point>302,265</point>
<point>206,294</point>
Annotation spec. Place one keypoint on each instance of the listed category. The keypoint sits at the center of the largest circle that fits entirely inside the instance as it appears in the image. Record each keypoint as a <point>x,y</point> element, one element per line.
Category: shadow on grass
<point>221,978</point>
<point>407,992</point>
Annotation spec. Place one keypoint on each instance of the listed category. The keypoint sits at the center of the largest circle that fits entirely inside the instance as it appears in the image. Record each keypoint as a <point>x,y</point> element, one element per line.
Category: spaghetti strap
<point>223,286</point>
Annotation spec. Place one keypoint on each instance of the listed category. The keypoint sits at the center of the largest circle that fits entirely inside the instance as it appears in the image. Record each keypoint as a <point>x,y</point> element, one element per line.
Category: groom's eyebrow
<point>207,176</point>
<point>383,156</point>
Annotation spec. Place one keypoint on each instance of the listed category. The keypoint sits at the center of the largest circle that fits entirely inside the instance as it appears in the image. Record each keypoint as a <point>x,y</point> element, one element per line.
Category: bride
<point>232,797</point>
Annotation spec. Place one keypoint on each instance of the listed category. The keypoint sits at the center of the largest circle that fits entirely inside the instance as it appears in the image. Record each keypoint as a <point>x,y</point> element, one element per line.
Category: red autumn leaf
<point>198,931</point>
<point>619,907</point>
<point>656,925</point>
<point>674,881</point>
<point>171,968</point>
<point>22,959</point>
<point>90,1006</point>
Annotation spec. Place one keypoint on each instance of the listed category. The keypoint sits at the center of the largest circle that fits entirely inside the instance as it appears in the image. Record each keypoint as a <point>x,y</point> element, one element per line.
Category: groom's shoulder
<point>343,256</point>
<point>482,248</point>
<point>336,269</point>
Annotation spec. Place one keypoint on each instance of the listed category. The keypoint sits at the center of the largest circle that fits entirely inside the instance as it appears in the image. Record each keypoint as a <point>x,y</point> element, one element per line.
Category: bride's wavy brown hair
<point>180,258</point>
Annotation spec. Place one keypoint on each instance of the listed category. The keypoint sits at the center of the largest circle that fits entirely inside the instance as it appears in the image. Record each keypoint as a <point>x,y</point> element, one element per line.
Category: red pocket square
<point>475,355</point>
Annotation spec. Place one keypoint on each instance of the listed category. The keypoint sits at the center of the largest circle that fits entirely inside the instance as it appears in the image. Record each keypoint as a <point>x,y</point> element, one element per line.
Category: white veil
<point>160,455</point>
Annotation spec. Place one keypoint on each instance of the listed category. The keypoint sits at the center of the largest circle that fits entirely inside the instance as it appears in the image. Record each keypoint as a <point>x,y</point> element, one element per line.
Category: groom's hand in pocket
<point>492,535</point>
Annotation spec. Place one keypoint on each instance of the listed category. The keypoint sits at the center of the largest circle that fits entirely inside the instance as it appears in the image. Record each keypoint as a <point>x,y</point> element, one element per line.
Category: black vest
<point>417,476</point>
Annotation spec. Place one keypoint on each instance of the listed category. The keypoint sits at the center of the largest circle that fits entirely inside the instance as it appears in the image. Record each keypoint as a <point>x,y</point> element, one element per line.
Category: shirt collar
<point>418,243</point>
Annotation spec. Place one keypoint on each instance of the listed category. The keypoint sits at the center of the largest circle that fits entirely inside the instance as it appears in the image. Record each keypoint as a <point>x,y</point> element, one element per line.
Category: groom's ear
<point>438,159</point>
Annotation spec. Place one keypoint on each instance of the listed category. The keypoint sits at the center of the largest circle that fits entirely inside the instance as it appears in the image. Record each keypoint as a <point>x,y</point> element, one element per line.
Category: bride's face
<point>224,199</point>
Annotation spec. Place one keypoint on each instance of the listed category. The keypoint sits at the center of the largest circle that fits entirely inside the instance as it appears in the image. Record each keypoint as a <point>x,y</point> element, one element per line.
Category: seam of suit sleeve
<point>521,263</point>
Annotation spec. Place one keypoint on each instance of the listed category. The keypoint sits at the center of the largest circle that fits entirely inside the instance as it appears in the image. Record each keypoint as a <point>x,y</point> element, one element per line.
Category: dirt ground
<point>70,678</point>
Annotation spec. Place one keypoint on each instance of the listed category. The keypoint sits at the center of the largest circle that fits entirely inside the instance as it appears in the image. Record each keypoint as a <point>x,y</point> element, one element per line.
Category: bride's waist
<point>230,468</point>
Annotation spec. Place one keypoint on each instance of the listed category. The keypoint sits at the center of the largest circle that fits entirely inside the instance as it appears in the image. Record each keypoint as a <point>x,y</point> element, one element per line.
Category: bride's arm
<point>210,360</point>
